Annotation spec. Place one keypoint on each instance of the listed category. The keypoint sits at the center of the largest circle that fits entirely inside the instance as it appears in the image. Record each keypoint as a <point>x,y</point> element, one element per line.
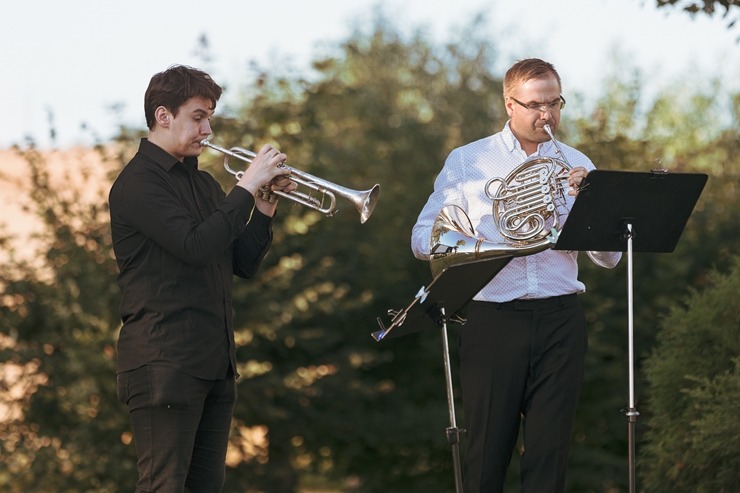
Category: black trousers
<point>181,428</point>
<point>521,364</point>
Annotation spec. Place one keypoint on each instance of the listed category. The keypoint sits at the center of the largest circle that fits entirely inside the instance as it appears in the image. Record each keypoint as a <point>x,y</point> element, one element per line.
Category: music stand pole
<point>631,411</point>
<point>453,432</point>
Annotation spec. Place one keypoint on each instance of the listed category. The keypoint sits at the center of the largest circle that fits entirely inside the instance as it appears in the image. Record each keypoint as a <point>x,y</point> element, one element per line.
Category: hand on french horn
<point>263,169</point>
<point>575,178</point>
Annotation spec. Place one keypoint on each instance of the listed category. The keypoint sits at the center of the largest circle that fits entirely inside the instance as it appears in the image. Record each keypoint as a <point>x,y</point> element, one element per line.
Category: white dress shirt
<point>462,182</point>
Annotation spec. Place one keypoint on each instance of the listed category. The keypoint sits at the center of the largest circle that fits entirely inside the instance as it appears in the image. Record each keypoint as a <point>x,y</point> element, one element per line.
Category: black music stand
<point>448,293</point>
<point>624,211</point>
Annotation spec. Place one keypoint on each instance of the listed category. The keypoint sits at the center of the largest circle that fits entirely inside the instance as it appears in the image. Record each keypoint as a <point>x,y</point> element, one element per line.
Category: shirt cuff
<point>243,201</point>
<point>261,219</point>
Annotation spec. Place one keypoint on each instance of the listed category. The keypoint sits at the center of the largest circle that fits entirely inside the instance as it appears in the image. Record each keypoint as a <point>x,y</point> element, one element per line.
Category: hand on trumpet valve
<point>280,184</point>
<point>265,193</point>
<point>263,170</point>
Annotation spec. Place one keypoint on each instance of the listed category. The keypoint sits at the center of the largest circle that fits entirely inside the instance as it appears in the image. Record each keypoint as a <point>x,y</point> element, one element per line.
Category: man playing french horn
<point>523,347</point>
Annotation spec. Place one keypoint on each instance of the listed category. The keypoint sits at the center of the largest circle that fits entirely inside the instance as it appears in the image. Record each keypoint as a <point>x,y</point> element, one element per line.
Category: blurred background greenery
<point>322,407</point>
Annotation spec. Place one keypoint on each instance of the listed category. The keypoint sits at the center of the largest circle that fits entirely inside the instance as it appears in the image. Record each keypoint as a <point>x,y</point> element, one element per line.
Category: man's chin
<point>194,150</point>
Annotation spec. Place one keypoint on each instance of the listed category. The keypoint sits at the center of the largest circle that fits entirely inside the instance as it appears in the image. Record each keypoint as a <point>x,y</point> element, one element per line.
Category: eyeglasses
<point>559,104</point>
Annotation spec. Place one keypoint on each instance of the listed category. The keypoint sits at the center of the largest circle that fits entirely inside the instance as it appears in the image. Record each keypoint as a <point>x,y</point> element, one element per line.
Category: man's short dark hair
<point>173,87</point>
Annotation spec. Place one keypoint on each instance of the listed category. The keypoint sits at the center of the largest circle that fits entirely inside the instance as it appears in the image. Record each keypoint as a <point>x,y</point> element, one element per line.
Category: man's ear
<point>162,116</point>
<point>508,103</point>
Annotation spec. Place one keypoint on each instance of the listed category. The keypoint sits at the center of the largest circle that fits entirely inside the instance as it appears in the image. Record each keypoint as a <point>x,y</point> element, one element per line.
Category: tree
<point>707,7</point>
<point>694,375</point>
<point>57,318</point>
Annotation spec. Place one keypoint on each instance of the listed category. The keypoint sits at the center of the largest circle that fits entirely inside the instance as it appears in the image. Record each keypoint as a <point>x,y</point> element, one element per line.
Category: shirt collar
<point>509,140</point>
<point>512,144</point>
<point>164,158</point>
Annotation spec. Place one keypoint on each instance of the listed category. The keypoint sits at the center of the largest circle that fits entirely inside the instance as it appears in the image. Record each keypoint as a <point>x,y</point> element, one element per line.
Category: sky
<point>66,64</point>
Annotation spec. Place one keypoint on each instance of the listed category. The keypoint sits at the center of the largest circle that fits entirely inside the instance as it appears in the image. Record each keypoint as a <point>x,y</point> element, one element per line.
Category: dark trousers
<point>521,364</point>
<point>181,428</point>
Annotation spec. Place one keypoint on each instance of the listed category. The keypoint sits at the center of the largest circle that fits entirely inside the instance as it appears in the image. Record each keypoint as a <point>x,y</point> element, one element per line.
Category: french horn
<point>525,212</point>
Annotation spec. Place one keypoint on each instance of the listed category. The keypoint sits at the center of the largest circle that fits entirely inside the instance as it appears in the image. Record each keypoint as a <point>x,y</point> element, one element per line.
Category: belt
<point>536,304</point>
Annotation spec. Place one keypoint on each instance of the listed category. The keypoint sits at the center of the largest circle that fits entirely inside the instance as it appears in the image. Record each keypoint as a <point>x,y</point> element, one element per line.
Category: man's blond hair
<point>524,70</point>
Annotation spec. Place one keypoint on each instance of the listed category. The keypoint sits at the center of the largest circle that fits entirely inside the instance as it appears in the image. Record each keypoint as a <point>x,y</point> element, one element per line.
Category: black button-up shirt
<point>178,240</point>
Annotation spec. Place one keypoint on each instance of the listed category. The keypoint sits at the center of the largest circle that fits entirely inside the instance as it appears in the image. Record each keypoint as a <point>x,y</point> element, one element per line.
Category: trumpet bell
<point>365,202</point>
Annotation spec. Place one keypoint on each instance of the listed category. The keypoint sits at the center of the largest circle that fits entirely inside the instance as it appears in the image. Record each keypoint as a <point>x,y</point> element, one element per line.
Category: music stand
<point>626,211</point>
<point>448,293</point>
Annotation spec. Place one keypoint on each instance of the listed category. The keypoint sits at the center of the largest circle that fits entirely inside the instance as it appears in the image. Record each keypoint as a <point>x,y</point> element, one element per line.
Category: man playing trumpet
<point>178,241</point>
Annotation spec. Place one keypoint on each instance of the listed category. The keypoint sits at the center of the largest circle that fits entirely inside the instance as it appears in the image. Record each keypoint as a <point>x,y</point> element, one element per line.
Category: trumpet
<point>364,201</point>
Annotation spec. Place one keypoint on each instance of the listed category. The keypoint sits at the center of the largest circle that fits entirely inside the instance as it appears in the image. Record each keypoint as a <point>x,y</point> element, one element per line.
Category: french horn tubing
<point>525,212</point>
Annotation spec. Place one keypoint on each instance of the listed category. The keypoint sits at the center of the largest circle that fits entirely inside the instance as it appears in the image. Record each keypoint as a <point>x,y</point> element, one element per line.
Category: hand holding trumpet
<point>265,175</point>
<point>265,167</point>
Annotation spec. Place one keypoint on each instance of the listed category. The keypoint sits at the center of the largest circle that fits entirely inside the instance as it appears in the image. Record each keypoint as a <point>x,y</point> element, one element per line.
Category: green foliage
<point>57,323</point>
<point>704,7</point>
<point>729,10</point>
<point>694,376</point>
